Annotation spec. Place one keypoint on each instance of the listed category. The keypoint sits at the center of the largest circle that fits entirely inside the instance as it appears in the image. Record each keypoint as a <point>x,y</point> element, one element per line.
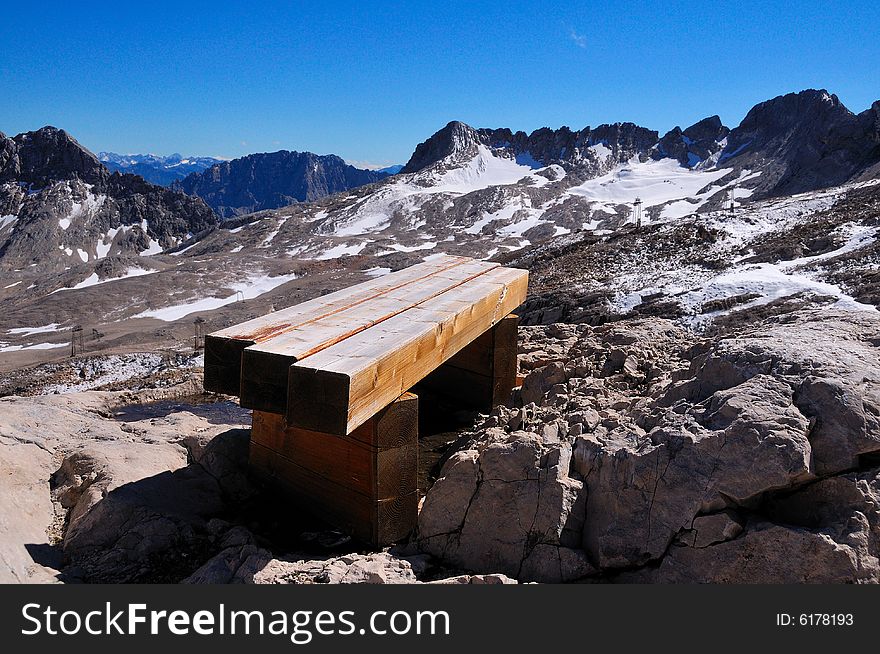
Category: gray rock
<point>476,580</point>
<point>769,553</point>
<point>378,568</point>
<point>27,516</point>
<point>845,427</point>
<point>538,382</point>
<point>710,529</point>
<point>667,470</point>
<point>640,496</point>
<point>492,509</point>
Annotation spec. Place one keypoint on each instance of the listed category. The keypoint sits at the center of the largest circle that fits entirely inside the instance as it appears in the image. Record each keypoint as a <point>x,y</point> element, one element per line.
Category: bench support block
<point>364,483</point>
<point>483,374</point>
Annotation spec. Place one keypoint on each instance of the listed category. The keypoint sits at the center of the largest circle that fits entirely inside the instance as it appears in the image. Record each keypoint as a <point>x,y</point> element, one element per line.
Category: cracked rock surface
<point>635,452</point>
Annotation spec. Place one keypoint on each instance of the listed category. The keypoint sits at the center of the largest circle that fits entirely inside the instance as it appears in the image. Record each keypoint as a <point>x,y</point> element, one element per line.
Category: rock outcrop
<point>62,207</point>
<point>589,150</point>
<point>99,499</point>
<point>802,141</point>
<point>632,453</point>
<point>695,144</point>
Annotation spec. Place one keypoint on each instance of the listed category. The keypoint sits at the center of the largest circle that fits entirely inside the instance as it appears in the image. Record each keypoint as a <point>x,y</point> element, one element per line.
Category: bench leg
<point>483,374</point>
<point>364,483</point>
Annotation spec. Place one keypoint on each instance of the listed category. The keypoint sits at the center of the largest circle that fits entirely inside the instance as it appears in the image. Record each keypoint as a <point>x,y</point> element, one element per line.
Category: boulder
<point>509,507</point>
<point>769,553</point>
<point>642,492</point>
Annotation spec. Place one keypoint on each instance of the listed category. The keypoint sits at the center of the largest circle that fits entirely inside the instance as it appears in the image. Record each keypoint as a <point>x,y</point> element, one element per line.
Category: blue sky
<point>369,80</point>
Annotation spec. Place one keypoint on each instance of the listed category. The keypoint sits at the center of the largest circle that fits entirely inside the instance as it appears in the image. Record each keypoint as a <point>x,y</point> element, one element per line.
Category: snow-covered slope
<point>715,236</point>
<point>816,248</point>
<point>488,201</point>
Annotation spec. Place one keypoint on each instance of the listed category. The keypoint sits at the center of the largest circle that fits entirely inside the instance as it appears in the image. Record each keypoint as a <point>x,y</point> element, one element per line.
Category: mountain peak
<point>807,106</point>
<point>456,138</point>
<point>49,154</point>
<point>801,141</point>
<point>693,144</point>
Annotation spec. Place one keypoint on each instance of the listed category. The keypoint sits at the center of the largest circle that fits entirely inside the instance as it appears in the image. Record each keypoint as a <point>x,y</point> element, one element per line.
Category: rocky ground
<point>632,452</point>
<point>105,486</point>
<point>699,404</point>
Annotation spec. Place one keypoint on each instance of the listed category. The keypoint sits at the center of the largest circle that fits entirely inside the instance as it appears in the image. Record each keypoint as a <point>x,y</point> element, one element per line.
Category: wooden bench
<point>329,380</point>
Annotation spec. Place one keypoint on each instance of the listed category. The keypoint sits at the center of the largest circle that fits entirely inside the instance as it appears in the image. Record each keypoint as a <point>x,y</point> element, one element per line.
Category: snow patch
<point>27,331</point>
<point>481,172</point>
<point>655,182</point>
<point>252,287</point>
<point>38,346</point>
<point>7,221</point>
<point>268,240</point>
<point>94,280</point>
<point>340,250</point>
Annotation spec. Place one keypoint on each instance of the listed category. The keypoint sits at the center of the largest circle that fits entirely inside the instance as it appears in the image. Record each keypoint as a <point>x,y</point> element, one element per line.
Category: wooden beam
<point>379,473</point>
<point>483,374</point>
<point>364,483</point>
<point>339,388</point>
<point>264,365</point>
<point>376,522</point>
<point>223,348</point>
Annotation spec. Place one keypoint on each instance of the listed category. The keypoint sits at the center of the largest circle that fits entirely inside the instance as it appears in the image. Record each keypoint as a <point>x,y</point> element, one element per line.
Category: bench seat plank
<point>340,387</point>
<point>264,366</point>
<point>223,348</point>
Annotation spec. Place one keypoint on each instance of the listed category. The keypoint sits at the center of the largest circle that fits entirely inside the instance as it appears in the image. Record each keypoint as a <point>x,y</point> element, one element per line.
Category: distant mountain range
<point>154,168</point>
<point>481,192</point>
<point>60,206</point>
<point>273,179</point>
<point>475,191</point>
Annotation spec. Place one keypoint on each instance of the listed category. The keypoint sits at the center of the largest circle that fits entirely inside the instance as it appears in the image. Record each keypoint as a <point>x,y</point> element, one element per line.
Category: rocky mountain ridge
<point>493,190</point>
<point>273,179</point>
<point>810,140</point>
<point>60,205</point>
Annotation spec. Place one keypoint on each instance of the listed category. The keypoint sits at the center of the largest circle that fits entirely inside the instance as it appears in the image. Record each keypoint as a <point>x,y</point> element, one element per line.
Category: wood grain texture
<point>341,387</point>
<point>264,365</point>
<point>364,483</point>
<point>379,473</point>
<point>378,522</point>
<point>223,348</point>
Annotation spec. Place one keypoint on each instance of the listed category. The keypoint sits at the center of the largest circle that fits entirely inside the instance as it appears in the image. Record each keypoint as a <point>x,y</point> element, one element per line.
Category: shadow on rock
<point>155,527</point>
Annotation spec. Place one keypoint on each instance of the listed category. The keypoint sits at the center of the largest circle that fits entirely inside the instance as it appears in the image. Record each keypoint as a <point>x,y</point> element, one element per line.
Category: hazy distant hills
<point>156,169</point>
